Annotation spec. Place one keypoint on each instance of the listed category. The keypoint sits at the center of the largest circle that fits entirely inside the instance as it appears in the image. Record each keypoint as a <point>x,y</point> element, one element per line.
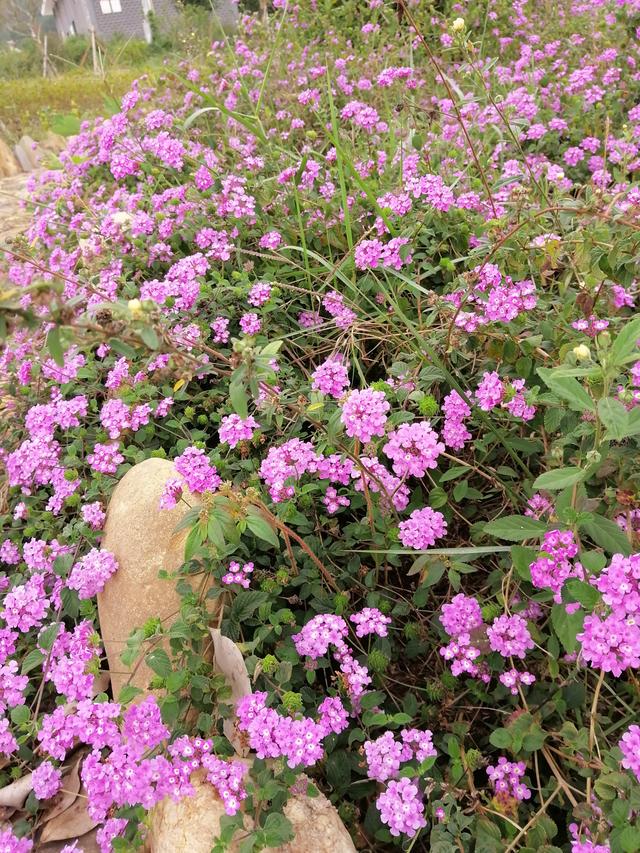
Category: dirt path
<point>13,217</point>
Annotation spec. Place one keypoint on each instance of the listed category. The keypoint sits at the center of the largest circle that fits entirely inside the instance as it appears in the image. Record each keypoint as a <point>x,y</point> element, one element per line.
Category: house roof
<point>47,7</point>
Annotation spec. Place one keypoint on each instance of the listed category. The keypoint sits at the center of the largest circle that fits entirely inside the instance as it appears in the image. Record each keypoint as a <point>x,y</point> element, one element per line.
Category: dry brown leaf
<point>71,823</point>
<point>87,843</point>
<point>13,795</point>
<point>228,660</point>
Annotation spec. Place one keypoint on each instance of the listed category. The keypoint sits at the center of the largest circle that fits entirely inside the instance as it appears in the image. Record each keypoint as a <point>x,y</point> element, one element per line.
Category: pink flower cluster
<point>509,636</point>
<point>197,474</point>
<point>554,566</point>
<point>629,745</point>
<point>385,755</point>
<point>90,574</point>
<point>512,679</point>
<point>364,414</point>
<point>413,448</point>
<point>456,411</point>
<point>238,574</point>
<point>619,583</point>
<point>422,528</point>
<point>298,739</point>
<point>234,429</point>
<point>370,620</point>
<point>611,644</point>
<point>323,632</point>
<point>506,779</point>
<point>259,294</point>
<point>401,807</point>
<point>331,377</point>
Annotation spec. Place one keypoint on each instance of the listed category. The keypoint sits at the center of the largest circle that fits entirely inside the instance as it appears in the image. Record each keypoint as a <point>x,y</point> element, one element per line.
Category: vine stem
<point>535,817</point>
<point>592,725</point>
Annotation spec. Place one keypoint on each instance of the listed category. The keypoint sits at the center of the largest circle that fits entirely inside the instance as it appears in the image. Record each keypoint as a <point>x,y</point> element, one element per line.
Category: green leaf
<point>567,388</point>
<point>150,337</point>
<point>32,660</point>
<point>501,738</point>
<point>20,715</point>
<point>607,535</point>
<point>238,397</point>
<point>624,347</point>
<point>193,542</point>
<point>245,603</point>
<point>66,124</point>
<point>158,661</point>
<point>567,626</point>
<point>560,478</point>
<point>54,345</point>
<point>277,830</point>
<point>583,592</point>
<point>338,769</point>
<point>261,528</point>
<point>515,528</point>
<point>522,558</point>
<point>615,418</point>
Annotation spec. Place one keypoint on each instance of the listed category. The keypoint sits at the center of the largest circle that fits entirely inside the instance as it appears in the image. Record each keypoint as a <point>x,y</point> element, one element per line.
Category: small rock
<point>193,824</point>
<point>9,166</point>
<point>27,154</point>
<point>144,540</point>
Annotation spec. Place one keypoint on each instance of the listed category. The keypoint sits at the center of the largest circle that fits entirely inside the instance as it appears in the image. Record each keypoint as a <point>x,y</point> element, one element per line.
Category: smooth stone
<point>9,166</point>
<point>193,824</point>
<point>27,154</point>
<point>144,540</point>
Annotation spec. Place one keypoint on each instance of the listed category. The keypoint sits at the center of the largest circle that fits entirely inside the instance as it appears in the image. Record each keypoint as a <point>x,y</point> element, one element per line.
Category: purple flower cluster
<point>326,631</point>
<point>619,583</point>
<point>385,755</point>
<point>401,807</point>
<point>259,294</point>
<point>197,475</point>
<point>611,644</point>
<point>422,528</point>
<point>630,747</point>
<point>554,565</point>
<point>413,448</point>
<point>46,780</point>
<point>364,414</point>
<point>456,411</point>
<point>370,620</point>
<point>233,429</point>
<point>506,779</point>
<point>90,574</point>
<point>298,739</point>
<point>238,574</point>
<point>331,377</point>
<point>512,679</point>
<point>509,636</point>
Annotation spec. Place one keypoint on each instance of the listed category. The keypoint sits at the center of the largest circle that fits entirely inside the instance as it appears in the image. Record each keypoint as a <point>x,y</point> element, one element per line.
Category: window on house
<point>109,6</point>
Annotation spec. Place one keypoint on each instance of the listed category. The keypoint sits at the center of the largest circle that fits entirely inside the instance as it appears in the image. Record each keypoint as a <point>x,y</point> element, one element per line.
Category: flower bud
<point>582,352</point>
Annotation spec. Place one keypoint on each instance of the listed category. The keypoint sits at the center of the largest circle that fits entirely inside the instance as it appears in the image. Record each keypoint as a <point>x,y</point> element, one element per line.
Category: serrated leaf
<point>568,389</point>
<point>31,660</point>
<point>238,397</point>
<point>515,528</point>
<point>624,347</point>
<point>614,416</point>
<point>583,592</point>
<point>158,661</point>
<point>261,528</point>
<point>54,345</point>
<point>560,478</point>
<point>567,626</point>
<point>607,535</point>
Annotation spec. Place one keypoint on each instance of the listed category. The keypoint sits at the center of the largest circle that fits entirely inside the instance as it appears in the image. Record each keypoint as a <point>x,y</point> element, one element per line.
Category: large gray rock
<point>193,824</point>
<point>144,540</point>
<point>225,12</point>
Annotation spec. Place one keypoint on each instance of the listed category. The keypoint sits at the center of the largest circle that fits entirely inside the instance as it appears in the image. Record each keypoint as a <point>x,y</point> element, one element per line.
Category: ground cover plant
<point>370,282</point>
